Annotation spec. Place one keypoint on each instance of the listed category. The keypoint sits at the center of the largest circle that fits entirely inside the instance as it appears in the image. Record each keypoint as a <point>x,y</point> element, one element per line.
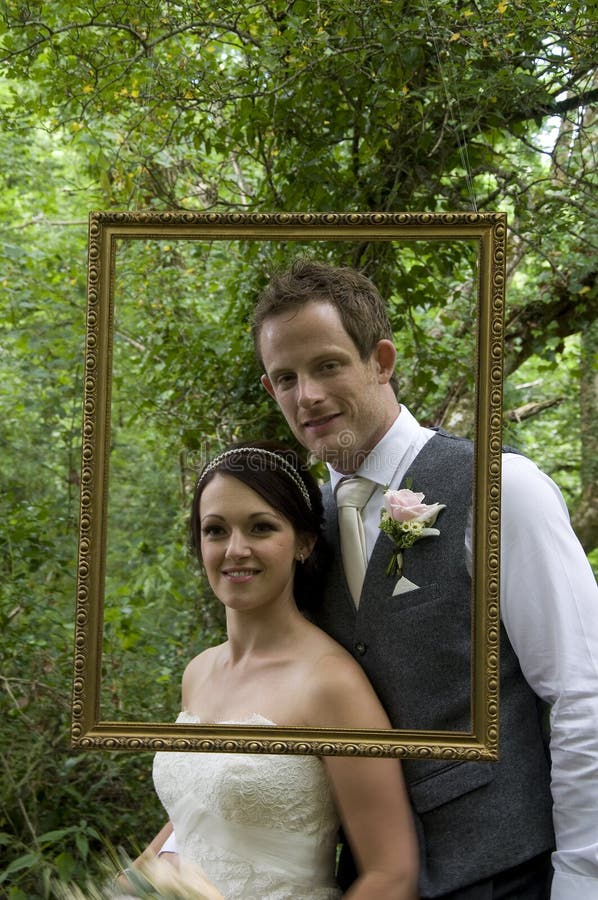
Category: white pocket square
<point>403,586</point>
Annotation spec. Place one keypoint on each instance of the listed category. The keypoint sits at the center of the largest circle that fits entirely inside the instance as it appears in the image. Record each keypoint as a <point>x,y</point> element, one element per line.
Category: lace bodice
<point>263,827</point>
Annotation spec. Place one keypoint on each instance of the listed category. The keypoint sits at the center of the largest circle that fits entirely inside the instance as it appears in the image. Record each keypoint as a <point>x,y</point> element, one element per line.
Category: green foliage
<point>541,381</point>
<point>335,106</point>
<point>343,106</point>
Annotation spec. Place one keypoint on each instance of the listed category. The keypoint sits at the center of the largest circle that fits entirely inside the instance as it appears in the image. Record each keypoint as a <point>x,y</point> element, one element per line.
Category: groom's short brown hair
<point>357,300</point>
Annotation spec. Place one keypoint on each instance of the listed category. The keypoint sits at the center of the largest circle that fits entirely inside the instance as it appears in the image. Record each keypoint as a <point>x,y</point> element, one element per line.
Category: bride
<point>264,827</point>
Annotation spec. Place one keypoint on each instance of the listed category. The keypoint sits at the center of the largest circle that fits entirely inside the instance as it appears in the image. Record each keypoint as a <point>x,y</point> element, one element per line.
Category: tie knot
<point>354,492</point>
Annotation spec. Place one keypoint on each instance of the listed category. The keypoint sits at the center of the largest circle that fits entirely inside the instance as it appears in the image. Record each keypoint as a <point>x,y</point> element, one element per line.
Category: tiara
<point>286,467</point>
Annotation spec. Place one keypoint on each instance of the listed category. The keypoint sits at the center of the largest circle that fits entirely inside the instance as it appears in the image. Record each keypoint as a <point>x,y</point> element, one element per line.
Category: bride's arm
<point>156,847</point>
<point>370,793</point>
<point>164,844</point>
<point>374,809</point>
<point>168,875</point>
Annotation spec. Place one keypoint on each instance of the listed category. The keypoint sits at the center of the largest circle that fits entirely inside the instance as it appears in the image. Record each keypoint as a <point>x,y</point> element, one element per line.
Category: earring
<point>301,558</point>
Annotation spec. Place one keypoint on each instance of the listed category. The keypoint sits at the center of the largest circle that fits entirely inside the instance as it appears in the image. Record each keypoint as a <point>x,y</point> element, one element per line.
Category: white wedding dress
<point>261,827</point>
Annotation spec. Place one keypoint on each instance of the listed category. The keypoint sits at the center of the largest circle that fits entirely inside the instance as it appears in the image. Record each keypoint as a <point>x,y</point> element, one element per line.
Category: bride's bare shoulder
<point>202,663</point>
<point>340,693</point>
<point>329,652</point>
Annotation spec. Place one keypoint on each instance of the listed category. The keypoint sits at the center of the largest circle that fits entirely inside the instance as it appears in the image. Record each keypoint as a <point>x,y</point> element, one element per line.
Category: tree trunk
<point>585,520</point>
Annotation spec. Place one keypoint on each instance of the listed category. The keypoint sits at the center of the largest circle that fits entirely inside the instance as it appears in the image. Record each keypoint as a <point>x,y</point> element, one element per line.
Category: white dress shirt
<point>549,607</point>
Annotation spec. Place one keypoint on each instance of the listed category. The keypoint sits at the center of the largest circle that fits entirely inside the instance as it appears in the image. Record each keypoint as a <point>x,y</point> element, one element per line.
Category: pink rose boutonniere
<point>405,519</point>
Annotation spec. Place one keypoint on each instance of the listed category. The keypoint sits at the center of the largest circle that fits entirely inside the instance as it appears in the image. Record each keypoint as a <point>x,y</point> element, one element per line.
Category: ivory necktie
<point>351,496</point>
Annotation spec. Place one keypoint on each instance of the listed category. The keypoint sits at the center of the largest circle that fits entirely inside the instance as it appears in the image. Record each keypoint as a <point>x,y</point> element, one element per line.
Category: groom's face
<point>335,403</point>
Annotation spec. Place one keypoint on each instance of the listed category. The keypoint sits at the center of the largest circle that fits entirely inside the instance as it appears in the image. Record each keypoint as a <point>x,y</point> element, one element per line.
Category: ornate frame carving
<point>105,228</point>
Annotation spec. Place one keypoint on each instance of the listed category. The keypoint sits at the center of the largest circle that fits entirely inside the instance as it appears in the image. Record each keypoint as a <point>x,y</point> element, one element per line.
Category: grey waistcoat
<point>473,819</point>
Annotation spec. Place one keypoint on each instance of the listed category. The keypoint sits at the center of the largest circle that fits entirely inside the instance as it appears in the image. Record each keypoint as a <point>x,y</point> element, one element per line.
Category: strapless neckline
<point>252,719</point>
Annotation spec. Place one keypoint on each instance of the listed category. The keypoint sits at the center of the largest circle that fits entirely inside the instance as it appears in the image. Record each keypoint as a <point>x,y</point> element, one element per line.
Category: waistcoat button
<point>360,648</point>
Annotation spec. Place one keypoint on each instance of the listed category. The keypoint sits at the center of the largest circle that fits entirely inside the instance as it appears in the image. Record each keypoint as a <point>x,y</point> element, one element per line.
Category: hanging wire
<point>448,80</point>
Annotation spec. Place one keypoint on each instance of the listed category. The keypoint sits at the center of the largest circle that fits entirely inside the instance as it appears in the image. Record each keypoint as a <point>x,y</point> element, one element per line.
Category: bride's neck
<point>251,633</point>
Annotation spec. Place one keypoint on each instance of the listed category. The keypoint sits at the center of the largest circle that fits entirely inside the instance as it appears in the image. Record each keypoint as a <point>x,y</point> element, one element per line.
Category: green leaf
<point>27,861</point>
<point>65,865</point>
<point>52,837</point>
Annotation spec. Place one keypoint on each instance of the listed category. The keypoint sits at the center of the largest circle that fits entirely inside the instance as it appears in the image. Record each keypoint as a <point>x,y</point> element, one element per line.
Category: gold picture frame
<point>106,230</point>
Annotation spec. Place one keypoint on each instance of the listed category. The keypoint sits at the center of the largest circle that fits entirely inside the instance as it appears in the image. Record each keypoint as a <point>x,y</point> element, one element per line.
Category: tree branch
<point>531,409</point>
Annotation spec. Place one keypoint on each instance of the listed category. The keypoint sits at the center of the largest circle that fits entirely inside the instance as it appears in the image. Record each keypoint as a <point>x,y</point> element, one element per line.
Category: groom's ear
<point>385,356</point>
<point>268,385</point>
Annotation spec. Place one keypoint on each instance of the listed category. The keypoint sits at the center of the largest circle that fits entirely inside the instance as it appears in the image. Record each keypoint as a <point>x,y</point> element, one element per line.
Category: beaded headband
<point>286,467</point>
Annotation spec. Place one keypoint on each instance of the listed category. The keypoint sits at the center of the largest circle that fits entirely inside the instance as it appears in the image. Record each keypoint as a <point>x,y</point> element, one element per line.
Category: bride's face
<point>248,548</point>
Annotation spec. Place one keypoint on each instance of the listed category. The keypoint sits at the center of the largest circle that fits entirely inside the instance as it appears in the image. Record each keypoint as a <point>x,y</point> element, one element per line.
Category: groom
<point>486,830</point>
